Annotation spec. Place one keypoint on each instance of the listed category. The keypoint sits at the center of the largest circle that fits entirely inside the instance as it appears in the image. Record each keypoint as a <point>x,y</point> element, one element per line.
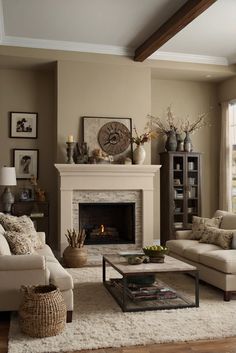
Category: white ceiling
<point>118,27</point>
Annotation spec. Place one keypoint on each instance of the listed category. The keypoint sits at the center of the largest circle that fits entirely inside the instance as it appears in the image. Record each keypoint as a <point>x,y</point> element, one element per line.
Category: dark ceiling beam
<point>186,14</point>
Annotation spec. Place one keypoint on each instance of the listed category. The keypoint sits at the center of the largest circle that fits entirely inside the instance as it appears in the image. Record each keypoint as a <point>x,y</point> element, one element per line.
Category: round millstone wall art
<point>114,137</point>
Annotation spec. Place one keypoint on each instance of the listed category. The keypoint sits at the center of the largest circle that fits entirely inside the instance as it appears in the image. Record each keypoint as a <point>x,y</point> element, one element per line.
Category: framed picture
<point>24,125</point>
<point>26,163</point>
<point>26,194</point>
<point>111,135</point>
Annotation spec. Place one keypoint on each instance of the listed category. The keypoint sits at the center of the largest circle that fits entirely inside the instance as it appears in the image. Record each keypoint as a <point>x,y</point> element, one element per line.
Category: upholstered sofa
<point>39,268</point>
<point>216,265</point>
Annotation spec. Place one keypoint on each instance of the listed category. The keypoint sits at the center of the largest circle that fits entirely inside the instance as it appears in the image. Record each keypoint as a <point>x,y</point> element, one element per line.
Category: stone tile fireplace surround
<point>99,183</point>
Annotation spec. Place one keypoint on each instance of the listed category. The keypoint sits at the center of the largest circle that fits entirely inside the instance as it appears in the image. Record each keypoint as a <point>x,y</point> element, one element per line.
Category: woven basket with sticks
<point>75,239</point>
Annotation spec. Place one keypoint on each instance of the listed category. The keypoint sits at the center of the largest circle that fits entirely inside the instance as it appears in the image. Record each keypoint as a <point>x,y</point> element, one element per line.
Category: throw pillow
<point>19,243</point>
<point>220,237</point>
<point>21,224</point>
<point>4,247</point>
<point>200,223</point>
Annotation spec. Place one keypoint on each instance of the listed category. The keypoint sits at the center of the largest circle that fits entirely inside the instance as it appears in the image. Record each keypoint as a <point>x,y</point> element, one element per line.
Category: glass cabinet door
<point>192,188</point>
<point>178,191</point>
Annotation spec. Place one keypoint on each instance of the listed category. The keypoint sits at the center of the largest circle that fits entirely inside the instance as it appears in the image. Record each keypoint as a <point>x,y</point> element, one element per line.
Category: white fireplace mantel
<point>74,177</point>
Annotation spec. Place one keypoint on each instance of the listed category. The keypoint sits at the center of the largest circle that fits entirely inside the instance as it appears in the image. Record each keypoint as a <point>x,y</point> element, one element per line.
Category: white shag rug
<point>98,321</point>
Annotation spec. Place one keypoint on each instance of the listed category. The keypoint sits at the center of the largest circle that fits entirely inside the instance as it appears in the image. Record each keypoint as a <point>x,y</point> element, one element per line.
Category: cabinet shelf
<point>189,202</point>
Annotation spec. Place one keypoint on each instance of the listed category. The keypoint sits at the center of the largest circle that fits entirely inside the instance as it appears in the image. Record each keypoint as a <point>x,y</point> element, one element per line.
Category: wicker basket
<point>43,311</point>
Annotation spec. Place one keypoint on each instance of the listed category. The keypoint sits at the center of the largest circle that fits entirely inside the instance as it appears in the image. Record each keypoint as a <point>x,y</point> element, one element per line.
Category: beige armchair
<point>38,269</point>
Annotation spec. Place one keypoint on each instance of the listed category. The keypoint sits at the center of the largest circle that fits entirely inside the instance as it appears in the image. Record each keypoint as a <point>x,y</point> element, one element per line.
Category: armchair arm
<point>183,234</point>
<point>22,262</point>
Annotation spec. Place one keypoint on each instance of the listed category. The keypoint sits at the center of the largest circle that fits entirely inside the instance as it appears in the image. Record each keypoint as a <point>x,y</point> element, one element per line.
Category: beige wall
<point>30,91</point>
<point>190,99</point>
<point>227,90</point>
<point>102,90</point>
<point>96,85</point>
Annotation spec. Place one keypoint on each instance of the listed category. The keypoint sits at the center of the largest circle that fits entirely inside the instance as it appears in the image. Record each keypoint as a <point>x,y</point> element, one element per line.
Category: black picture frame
<point>26,194</point>
<point>26,163</point>
<point>23,125</point>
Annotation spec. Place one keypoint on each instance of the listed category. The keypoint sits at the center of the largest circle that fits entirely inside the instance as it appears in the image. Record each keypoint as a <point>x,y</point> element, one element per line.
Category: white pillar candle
<point>70,138</point>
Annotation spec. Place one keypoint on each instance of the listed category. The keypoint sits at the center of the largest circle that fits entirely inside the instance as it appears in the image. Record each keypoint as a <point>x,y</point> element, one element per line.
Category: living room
<point>64,86</point>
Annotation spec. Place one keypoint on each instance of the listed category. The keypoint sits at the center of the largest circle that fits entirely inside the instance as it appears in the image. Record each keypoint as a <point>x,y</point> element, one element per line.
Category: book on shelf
<point>37,214</point>
<point>156,291</point>
<point>178,224</point>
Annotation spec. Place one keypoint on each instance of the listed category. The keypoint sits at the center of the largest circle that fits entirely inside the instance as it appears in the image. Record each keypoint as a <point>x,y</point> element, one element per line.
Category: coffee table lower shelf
<point>128,304</point>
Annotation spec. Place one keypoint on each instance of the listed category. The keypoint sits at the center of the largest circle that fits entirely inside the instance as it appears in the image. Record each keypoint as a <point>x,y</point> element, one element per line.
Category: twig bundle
<point>196,125</point>
<point>75,239</point>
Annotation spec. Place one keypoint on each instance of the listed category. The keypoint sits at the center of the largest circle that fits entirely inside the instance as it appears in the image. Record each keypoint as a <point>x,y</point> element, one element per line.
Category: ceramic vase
<point>180,142</point>
<point>171,142</point>
<point>139,155</point>
<point>75,257</point>
<point>188,146</point>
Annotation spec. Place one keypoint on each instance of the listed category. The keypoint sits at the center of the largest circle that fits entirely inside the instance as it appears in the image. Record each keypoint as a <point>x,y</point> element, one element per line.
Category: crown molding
<point>190,58</point>
<point>107,49</point>
<point>2,30</point>
<point>66,45</point>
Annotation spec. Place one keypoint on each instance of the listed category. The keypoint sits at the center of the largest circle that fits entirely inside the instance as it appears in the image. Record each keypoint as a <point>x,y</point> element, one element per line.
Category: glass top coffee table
<point>140,289</point>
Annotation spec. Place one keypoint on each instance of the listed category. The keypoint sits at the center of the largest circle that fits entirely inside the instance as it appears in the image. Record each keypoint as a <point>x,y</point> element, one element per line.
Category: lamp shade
<point>7,176</point>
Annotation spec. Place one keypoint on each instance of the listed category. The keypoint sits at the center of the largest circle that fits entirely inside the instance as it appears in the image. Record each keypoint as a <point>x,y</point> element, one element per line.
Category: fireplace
<point>110,183</point>
<point>108,223</point>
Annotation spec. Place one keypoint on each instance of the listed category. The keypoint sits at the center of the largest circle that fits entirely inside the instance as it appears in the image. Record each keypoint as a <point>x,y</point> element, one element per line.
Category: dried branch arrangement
<point>163,128</point>
<point>176,125</point>
<point>196,125</point>
<point>75,239</point>
<point>145,137</point>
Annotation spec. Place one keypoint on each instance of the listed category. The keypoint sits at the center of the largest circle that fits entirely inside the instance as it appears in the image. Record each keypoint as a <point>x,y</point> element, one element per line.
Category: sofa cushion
<point>4,246</point>
<point>59,276</point>
<point>178,246</point>
<point>228,219</point>
<point>19,243</point>
<point>199,224</point>
<point>221,260</point>
<point>220,237</point>
<point>193,253</point>
<point>21,224</point>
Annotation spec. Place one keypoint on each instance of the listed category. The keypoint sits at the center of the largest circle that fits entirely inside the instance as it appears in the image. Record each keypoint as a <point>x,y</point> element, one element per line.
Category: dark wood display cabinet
<point>37,211</point>
<point>180,191</point>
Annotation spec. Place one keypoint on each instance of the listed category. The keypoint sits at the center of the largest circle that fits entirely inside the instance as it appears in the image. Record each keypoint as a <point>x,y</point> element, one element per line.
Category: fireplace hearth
<point>108,223</point>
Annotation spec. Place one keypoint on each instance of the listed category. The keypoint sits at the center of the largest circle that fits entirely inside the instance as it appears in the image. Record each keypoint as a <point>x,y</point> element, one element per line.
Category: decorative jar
<point>139,155</point>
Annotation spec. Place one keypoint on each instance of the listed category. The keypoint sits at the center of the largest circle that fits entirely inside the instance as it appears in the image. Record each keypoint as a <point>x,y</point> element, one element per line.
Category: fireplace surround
<point>110,183</point>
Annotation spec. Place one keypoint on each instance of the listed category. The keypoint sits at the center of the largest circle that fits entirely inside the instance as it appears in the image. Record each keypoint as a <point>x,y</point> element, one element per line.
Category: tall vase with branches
<point>190,128</point>
<point>75,255</point>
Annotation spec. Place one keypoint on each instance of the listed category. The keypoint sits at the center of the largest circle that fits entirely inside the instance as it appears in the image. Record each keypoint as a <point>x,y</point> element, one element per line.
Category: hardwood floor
<point>4,328</point>
<point>227,345</point>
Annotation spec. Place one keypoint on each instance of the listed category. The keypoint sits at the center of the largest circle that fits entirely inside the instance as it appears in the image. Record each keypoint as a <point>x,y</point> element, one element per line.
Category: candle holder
<point>70,152</point>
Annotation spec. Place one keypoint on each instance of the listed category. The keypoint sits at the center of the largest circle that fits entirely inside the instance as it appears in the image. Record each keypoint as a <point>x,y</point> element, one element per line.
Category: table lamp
<point>7,178</point>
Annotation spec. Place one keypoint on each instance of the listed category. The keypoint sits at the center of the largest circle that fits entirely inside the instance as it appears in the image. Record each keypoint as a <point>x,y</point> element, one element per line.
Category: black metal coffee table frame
<point>123,299</point>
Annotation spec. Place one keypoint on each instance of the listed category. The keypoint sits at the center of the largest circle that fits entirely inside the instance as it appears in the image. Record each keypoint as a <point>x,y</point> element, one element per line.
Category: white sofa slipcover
<point>40,268</point>
<point>216,265</point>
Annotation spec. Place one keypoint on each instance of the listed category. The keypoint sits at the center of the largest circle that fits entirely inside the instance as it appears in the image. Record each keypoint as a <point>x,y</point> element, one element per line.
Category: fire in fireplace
<point>108,223</point>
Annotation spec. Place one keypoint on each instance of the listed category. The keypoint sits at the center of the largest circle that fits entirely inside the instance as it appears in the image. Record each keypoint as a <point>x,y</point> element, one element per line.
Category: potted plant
<point>75,255</point>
